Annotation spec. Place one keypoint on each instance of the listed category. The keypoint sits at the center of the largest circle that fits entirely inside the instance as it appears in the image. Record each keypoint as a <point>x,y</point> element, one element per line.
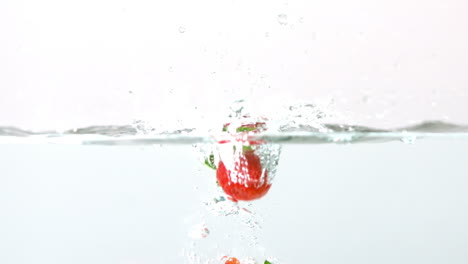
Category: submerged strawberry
<point>232,261</point>
<point>240,172</point>
<point>246,180</point>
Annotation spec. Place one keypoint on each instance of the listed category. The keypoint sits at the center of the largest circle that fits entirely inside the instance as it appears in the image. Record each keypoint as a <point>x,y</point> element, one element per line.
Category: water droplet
<point>170,69</point>
<point>130,92</point>
<point>181,30</point>
<point>283,19</point>
<point>301,20</point>
<point>267,34</point>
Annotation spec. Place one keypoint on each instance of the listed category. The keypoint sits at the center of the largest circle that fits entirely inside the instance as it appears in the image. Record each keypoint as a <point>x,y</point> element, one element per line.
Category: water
<point>330,203</point>
<point>397,197</point>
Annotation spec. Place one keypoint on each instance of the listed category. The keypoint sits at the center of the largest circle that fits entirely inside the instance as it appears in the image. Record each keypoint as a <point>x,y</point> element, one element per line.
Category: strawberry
<point>246,180</point>
<point>241,174</point>
<point>232,261</point>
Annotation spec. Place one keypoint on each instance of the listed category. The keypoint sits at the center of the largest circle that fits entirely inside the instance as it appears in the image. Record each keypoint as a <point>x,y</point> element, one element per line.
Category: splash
<point>303,123</point>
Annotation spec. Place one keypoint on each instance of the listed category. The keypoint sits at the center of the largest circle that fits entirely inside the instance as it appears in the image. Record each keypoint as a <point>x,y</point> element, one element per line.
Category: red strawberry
<point>232,261</point>
<point>246,180</point>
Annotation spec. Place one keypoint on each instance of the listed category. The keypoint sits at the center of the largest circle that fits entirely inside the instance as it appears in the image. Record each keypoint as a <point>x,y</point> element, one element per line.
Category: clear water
<point>399,197</point>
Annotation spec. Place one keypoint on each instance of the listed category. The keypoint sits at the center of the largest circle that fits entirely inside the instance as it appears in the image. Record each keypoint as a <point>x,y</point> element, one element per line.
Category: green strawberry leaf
<point>245,129</point>
<point>210,162</point>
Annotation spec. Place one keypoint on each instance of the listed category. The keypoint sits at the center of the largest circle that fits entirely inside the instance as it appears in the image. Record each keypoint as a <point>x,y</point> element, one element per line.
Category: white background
<point>67,64</point>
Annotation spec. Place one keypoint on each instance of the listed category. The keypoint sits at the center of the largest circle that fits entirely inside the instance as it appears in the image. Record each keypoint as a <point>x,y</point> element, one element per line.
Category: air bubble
<point>249,260</point>
<point>199,231</point>
<point>283,19</point>
<point>408,140</point>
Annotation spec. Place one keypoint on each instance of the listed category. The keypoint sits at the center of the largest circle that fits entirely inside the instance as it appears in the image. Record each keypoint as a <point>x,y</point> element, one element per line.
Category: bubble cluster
<point>199,231</point>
